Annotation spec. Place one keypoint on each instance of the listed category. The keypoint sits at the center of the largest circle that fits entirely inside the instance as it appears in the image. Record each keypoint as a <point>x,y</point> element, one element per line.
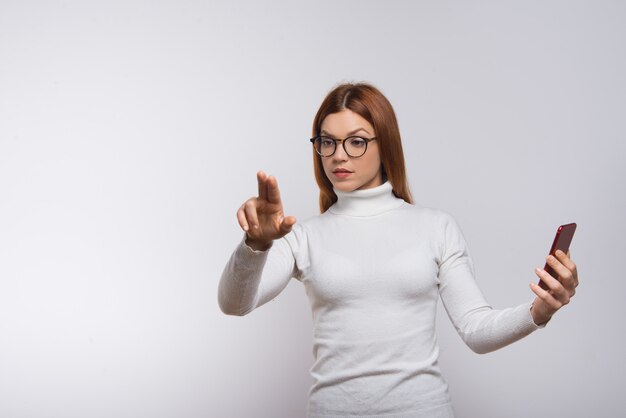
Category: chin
<point>345,186</point>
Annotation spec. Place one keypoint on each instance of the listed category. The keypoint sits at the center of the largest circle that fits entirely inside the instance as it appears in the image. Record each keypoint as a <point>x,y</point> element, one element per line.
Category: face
<point>349,173</point>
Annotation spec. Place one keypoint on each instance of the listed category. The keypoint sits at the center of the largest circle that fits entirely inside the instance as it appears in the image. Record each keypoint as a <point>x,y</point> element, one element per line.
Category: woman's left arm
<point>560,290</point>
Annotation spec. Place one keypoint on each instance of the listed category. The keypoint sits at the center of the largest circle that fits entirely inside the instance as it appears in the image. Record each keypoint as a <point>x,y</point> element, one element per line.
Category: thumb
<point>286,224</point>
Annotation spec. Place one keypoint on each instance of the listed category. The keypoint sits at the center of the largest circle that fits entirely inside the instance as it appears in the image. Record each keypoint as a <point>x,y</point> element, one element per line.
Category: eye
<point>327,142</point>
<point>357,142</point>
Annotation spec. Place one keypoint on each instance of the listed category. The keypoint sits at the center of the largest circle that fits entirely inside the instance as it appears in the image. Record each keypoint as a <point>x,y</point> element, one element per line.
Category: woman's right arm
<point>252,278</point>
<point>263,263</point>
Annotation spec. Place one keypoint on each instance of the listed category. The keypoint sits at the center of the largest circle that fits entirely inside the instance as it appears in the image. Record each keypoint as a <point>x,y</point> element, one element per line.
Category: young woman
<point>373,265</point>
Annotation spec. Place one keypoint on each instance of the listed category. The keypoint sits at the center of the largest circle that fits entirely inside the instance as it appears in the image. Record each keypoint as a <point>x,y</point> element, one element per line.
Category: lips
<point>341,173</point>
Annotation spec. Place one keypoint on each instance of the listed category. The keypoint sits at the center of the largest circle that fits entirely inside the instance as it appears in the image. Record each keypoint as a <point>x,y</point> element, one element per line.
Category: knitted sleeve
<point>252,278</point>
<point>481,327</point>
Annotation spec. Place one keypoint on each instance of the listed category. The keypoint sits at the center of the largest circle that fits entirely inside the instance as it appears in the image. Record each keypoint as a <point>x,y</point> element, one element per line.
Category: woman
<point>373,265</point>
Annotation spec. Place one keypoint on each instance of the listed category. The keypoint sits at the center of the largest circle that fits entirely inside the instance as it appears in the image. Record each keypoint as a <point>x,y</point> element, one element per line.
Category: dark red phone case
<point>562,241</point>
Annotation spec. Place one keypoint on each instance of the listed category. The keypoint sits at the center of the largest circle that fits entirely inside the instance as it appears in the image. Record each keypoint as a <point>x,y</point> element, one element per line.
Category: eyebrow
<point>323,132</point>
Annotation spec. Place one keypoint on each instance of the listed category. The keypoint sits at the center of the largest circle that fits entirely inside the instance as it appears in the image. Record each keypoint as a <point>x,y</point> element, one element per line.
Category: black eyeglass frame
<point>343,144</point>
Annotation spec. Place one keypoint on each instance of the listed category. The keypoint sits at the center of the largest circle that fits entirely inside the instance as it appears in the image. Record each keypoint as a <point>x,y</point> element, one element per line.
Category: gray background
<point>131,131</point>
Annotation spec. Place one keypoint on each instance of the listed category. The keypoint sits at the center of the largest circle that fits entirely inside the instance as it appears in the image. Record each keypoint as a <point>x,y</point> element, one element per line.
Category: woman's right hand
<point>262,217</point>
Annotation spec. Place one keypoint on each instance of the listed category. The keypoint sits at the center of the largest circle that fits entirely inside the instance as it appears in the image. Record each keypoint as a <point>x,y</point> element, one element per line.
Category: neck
<point>366,202</point>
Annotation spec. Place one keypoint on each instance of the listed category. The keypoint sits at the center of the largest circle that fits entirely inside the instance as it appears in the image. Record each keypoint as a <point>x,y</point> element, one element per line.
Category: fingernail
<point>245,228</point>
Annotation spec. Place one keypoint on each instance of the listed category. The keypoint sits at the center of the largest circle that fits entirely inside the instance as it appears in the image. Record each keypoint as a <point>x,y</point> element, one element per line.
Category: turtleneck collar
<point>367,202</point>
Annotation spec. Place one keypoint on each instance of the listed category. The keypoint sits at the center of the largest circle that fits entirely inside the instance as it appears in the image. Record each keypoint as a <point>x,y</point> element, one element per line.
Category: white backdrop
<point>130,132</point>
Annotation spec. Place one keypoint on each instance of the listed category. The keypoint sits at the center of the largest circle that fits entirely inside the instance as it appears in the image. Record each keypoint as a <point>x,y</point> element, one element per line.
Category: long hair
<point>368,102</point>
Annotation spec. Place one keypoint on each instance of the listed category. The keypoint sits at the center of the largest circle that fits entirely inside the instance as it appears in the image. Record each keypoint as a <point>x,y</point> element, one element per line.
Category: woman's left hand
<point>560,289</point>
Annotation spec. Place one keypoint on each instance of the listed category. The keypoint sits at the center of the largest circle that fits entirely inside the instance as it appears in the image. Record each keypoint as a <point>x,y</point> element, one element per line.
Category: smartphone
<point>562,241</point>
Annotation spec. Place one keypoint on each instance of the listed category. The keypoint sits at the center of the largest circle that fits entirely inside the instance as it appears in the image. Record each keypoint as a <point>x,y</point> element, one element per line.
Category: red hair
<point>368,102</point>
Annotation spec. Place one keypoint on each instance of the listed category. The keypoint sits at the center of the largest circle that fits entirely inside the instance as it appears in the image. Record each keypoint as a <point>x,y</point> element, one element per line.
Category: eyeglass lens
<point>354,146</point>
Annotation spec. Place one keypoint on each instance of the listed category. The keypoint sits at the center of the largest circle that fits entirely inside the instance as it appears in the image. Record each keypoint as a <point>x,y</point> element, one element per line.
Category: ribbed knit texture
<point>373,268</point>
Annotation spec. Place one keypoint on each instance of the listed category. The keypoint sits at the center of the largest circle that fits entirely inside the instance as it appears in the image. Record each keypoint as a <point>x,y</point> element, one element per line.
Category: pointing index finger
<point>273,193</point>
<point>262,180</point>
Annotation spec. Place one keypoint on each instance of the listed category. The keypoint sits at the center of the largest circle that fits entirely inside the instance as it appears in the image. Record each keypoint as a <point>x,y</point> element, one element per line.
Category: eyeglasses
<point>354,146</point>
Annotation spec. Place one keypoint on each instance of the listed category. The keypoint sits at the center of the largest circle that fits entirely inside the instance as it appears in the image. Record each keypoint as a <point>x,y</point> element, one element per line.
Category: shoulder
<point>301,229</point>
<point>411,213</point>
<point>439,223</point>
<point>308,223</point>
<point>434,215</point>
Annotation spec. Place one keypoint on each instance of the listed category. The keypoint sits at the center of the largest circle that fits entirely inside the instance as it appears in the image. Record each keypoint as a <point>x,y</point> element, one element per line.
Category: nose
<point>340,153</point>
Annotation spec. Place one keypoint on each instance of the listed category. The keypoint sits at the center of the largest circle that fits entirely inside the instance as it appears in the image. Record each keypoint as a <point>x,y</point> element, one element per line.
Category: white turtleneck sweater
<point>373,267</point>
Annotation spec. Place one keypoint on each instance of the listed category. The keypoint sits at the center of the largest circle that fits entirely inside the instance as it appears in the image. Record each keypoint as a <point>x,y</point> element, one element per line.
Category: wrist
<point>258,245</point>
<point>539,318</point>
